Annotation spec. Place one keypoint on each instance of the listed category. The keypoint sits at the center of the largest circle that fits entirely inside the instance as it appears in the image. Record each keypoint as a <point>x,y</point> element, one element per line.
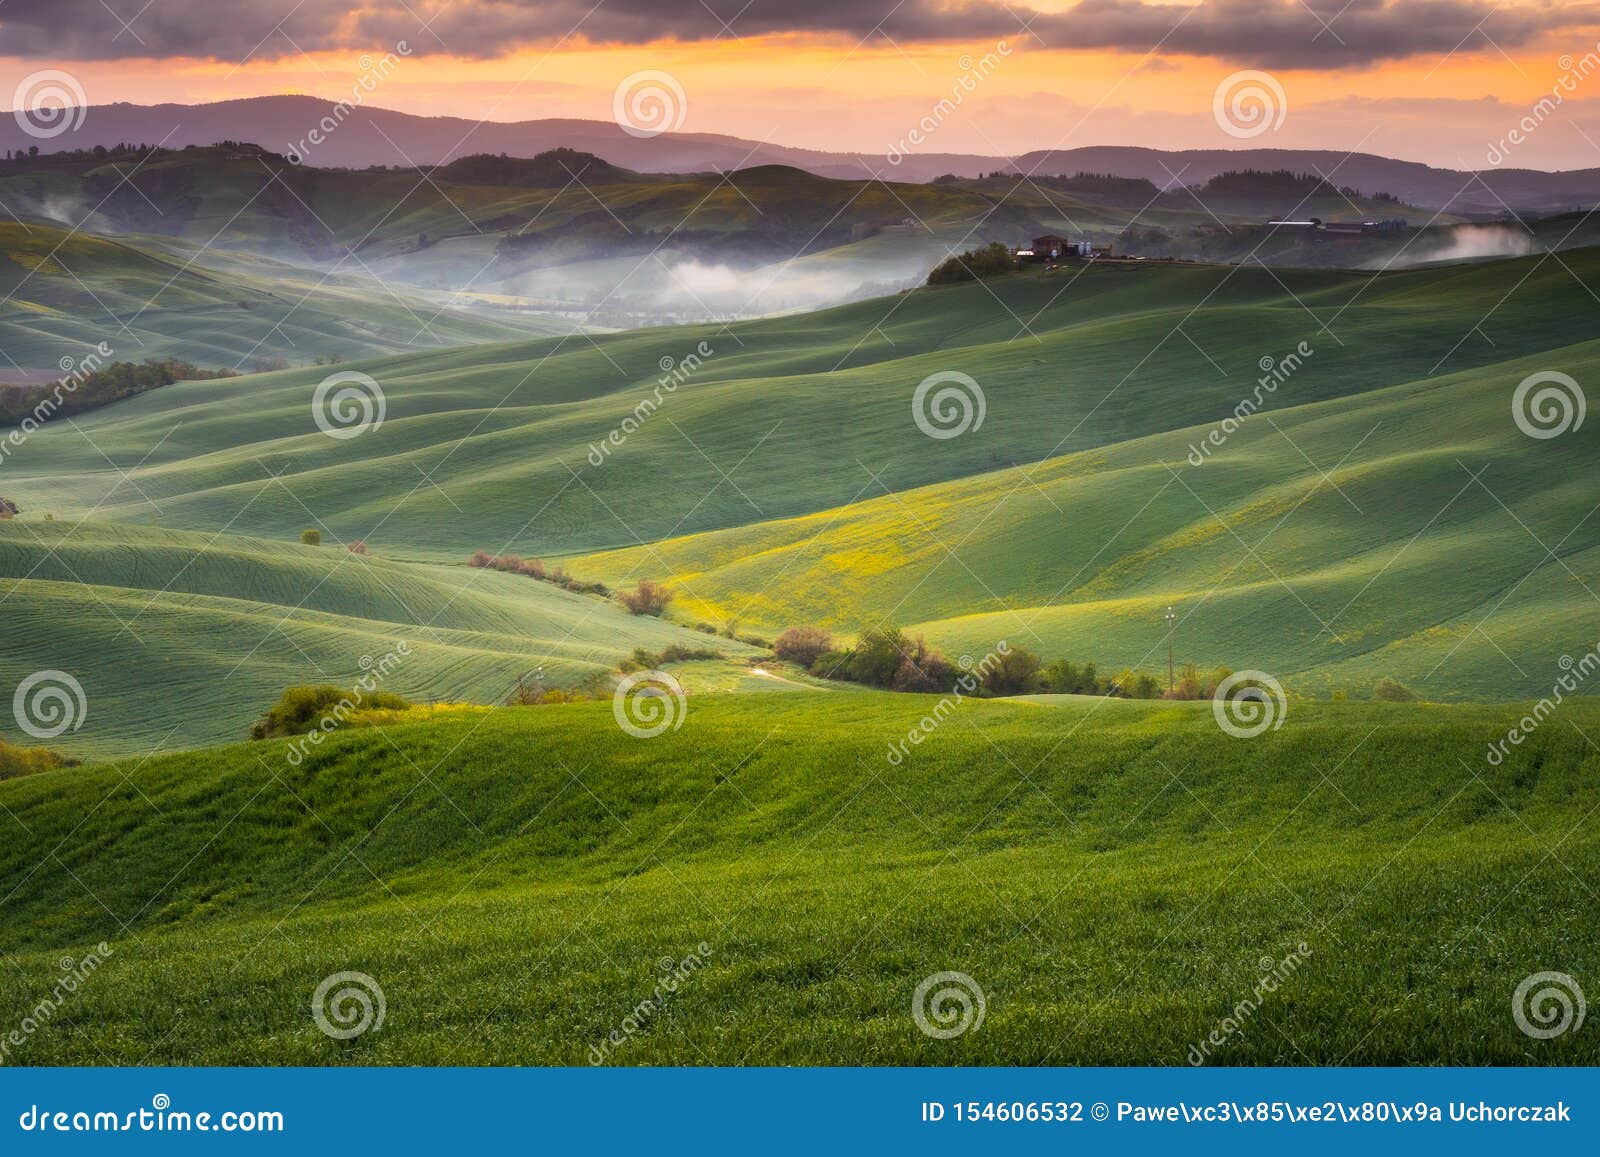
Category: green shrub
<point>1388,690</point>
<point>17,761</point>
<point>311,537</point>
<point>802,645</point>
<point>1014,673</point>
<point>990,261</point>
<point>301,708</point>
<point>648,598</point>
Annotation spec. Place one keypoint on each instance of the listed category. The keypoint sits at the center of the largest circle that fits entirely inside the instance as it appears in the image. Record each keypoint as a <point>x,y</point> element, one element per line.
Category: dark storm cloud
<point>1266,33</point>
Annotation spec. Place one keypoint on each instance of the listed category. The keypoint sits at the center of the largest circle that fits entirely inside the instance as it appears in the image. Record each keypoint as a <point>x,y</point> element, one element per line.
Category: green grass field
<point>1112,875</point>
<point>1322,542</point>
<point>1115,876</point>
<point>181,639</point>
<point>62,293</point>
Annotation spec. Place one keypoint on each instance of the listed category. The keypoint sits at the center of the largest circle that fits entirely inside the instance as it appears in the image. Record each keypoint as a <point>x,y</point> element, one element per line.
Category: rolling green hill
<point>62,293</point>
<point>785,480</point>
<point>506,433</point>
<point>1114,877</point>
<point>1322,542</point>
<point>181,639</point>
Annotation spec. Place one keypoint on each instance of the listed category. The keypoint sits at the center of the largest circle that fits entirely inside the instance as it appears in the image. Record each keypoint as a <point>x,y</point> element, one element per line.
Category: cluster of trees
<point>887,657</point>
<point>120,151</point>
<point>102,387</point>
<point>646,660</point>
<point>535,569</point>
<point>1105,187</point>
<point>1281,183</point>
<point>991,260</point>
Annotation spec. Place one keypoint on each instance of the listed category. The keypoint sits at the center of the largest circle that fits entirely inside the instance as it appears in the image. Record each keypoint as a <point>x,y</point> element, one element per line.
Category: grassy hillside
<point>490,446</point>
<point>181,639</point>
<point>784,480</point>
<point>1116,877</point>
<point>1322,542</point>
<point>62,293</point>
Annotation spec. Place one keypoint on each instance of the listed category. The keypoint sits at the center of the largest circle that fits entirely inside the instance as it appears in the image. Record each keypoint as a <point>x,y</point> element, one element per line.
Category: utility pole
<point>1172,620</point>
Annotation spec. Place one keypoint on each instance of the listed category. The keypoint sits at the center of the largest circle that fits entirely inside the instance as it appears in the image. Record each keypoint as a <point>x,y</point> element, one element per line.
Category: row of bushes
<point>100,388</point>
<point>535,569</point>
<point>887,657</point>
<point>644,660</point>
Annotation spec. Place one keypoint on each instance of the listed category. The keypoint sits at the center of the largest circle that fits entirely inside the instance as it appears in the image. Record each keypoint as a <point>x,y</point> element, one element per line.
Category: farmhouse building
<point>1050,247</point>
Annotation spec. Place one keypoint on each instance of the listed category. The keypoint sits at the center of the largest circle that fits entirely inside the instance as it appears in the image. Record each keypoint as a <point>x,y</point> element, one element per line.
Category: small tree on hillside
<point>648,598</point>
<point>802,645</point>
<point>1389,690</point>
<point>1016,672</point>
<point>311,537</point>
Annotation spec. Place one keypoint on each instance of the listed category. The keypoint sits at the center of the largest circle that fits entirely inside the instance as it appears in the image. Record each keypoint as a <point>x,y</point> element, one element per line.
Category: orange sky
<point>825,93</point>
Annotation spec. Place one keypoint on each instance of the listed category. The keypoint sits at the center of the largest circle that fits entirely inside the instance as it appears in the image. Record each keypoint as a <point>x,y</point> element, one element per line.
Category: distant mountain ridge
<point>375,136</point>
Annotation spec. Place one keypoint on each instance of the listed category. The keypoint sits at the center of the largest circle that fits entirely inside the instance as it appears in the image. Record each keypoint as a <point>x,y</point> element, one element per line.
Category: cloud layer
<point>1263,33</point>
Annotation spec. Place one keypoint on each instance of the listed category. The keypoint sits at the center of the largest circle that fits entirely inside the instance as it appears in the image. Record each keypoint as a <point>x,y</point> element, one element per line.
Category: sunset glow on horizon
<point>837,91</point>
